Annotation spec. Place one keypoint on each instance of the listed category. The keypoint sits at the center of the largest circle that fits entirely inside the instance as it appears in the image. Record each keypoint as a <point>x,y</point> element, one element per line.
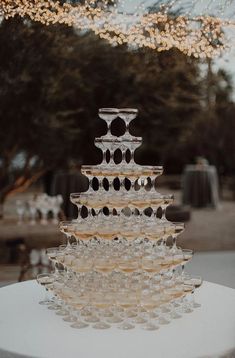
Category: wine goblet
<point>32,212</point>
<point>20,208</point>
<point>55,210</point>
<point>44,211</point>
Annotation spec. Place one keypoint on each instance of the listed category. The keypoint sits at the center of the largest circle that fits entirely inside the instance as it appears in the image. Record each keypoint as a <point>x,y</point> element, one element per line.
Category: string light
<point>158,29</point>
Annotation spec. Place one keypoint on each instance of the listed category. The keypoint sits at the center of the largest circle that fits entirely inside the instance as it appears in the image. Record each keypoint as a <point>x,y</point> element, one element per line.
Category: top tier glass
<point>126,114</point>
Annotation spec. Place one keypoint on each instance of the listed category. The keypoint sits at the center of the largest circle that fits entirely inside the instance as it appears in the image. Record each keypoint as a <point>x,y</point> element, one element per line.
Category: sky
<point>227,58</point>
<point>227,61</point>
<point>220,8</point>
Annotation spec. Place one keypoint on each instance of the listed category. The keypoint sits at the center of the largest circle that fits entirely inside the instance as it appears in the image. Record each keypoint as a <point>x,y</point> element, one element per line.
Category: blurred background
<point>53,81</point>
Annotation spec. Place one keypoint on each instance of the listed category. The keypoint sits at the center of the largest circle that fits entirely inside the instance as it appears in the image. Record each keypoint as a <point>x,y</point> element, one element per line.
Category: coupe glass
<point>168,200</point>
<point>68,228</point>
<point>186,306</point>
<point>133,145</point>
<point>108,115</point>
<point>150,301</point>
<point>78,303</point>
<point>127,115</point>
<point>187,256</point>
<point>44,208</point>
<point>44,280</point>
<point>55,211</point>
<point>195,281</point>
<point>52,255</point>
<point>79,199</point>
<point>179,228</point>
<point>126,300</point>
<point>101,301</point>
<point>99,143</point>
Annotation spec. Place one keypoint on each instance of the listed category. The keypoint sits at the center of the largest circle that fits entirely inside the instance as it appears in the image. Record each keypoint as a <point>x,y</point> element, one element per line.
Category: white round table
<point>30,330</point>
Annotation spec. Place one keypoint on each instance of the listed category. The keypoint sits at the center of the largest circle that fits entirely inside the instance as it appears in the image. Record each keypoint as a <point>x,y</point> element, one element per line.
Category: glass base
<point>187,310</point>
<point>126,326</point>
<point>85,313</point>
<point>139,320</point>
<point>153,315</point>
<point>107,313</point>
<point>92,319</point>
<point>175,315</point>
<point>119,309</point>
<point>131,314</point>
<point>69,319</point>
<point>166,309</point>
<point>176,304</point>
<point>150,327</point>
<point>79,325</point>
<point>114,319</point>
<point>54,307</point>
<point>62,313</point>
<point>163,320</point>
<point>101,325</point>
<point>45,302</point>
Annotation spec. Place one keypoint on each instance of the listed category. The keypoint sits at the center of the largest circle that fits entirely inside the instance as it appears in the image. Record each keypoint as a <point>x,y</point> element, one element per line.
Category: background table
<point>200,186</point>
<point>65,184</point>
<point>24,245</point>
<point>34,236</point>
<point>32,330</point>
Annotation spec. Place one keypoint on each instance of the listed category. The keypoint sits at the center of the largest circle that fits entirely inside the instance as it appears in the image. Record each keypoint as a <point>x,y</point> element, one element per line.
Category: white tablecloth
<point>31,330</point>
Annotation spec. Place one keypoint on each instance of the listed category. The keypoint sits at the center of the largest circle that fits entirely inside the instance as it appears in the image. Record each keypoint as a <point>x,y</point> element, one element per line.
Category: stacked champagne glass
<point>121,265</point>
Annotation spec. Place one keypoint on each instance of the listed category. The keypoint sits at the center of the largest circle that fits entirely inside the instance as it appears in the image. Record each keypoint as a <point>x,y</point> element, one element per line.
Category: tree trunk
<point>2,201</point>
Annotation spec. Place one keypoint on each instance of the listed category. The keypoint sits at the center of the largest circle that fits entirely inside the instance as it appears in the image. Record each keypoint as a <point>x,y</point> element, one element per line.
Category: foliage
<point>53,80</point>
<point>212,132</point>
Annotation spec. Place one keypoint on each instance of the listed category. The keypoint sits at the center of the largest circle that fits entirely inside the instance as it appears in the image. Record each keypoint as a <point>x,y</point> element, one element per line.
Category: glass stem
<point>111,156</point>
<point>123,155</point>
<point>79,210</point>
<point>193,298</point>
<point>164,213</point>
<point>104,156</point>
<point>132,156</point>
<point>46,298</point>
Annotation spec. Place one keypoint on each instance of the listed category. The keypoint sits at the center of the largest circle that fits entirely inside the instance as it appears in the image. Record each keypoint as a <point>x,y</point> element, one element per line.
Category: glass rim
<point>135,110</point>
<point>116,110</point>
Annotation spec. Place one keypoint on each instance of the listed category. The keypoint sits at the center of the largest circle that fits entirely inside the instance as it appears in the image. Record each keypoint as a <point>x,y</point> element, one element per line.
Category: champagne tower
<point>121,265</point>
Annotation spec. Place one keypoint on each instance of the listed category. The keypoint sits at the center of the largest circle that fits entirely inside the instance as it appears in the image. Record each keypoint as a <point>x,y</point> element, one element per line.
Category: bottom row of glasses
<point>125,308</point>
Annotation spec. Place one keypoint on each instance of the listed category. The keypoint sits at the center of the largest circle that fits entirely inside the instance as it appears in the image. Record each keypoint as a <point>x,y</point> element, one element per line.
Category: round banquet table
<point>30,330</point>
<point>200,186</point>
